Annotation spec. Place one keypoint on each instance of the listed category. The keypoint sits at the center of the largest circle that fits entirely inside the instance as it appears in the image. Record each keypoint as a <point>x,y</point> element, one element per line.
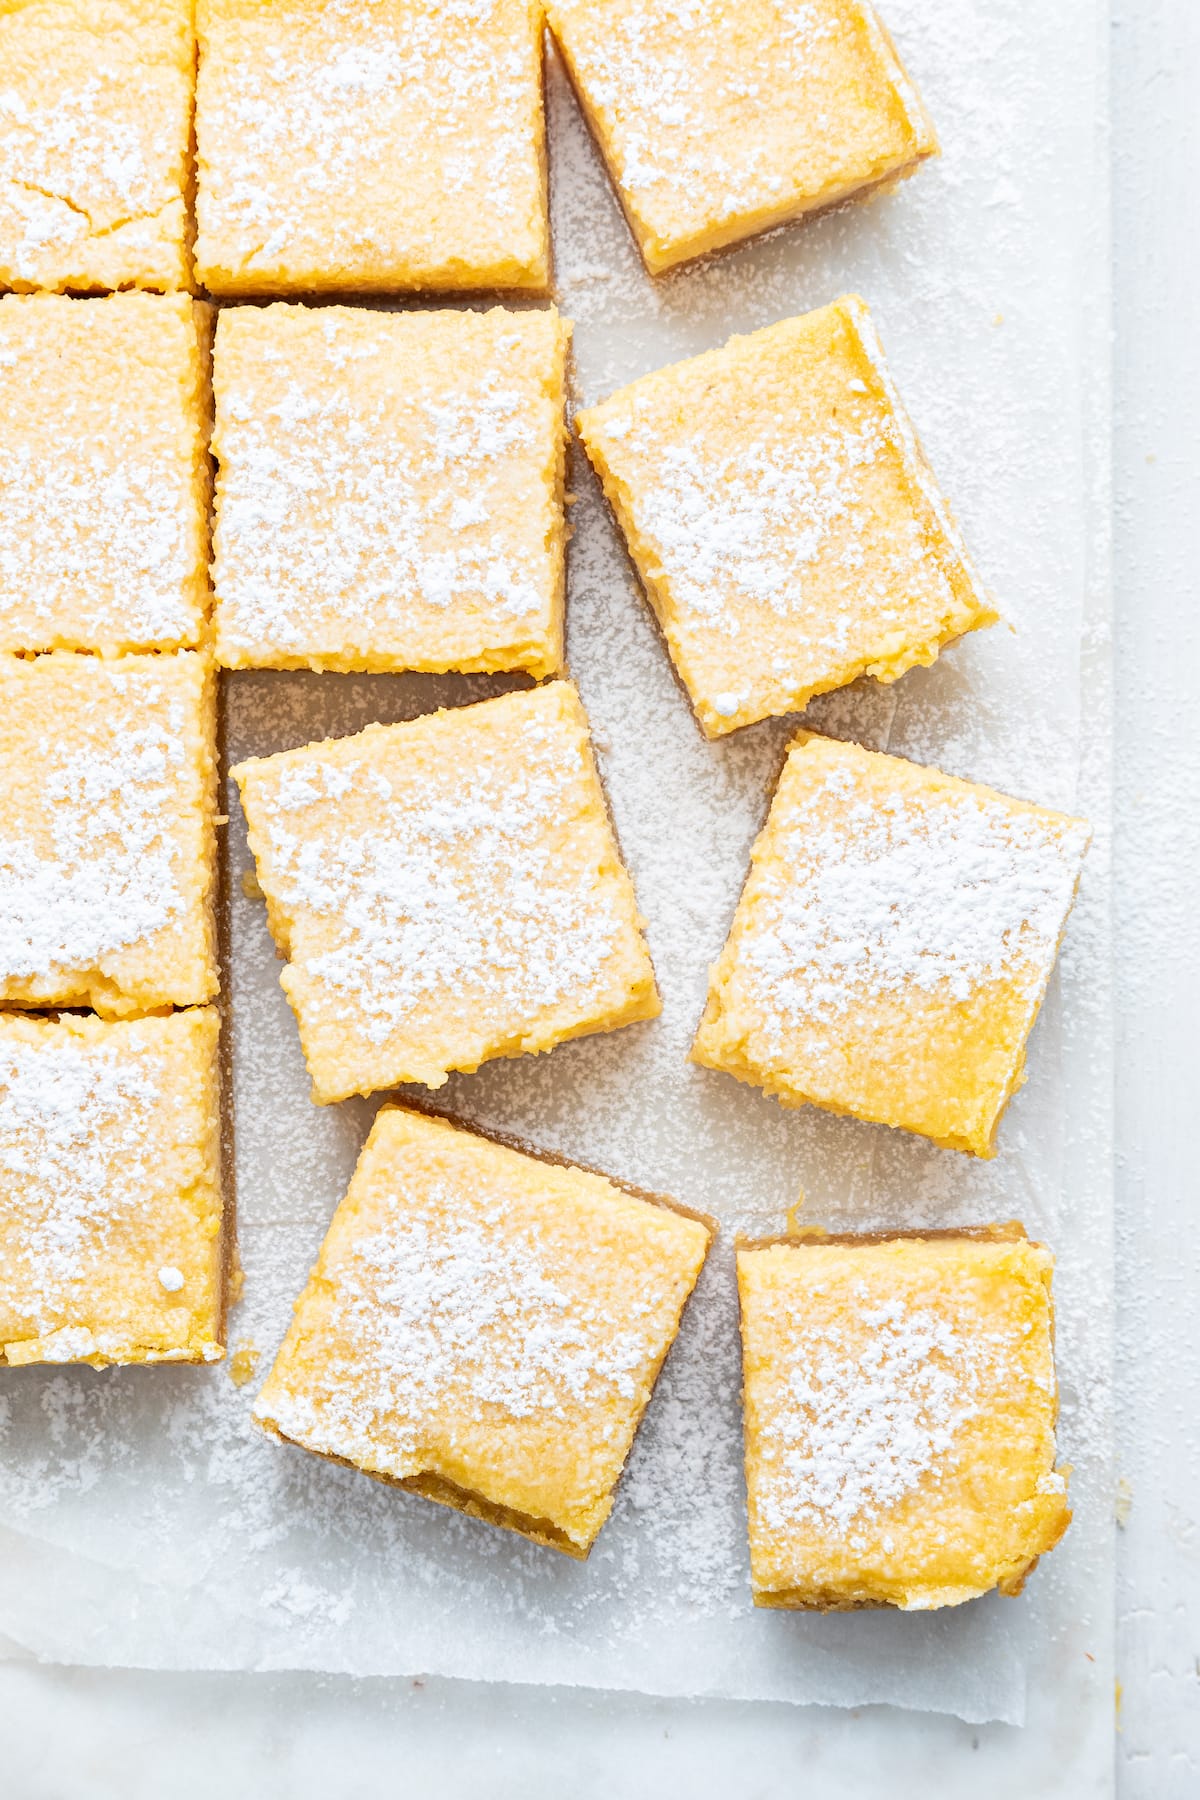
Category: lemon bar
<point>107,842</point>
<point>104,478</point>
<point>892,944</point>
<point>95,122</point>
<point>899,1402</point>
<point>782,517</point>
<point>370,145</point>
<point>111,1240</point>
<point>720,121</point>
<point>390,489</point>
<point>446,891</point>
<point>484,1328</point>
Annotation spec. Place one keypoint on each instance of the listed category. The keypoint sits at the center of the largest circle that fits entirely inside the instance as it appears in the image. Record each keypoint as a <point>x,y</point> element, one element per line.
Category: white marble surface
<point>70,1732</point>
<point>1156,169</point>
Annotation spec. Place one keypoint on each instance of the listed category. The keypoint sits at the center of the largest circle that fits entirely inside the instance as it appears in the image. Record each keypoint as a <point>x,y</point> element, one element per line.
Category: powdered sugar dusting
<point>298,114</point>
<point>710,121</point>
<point>101,1135</point>
<point>74,1143</point>
<point>109,873</point>
<point>374,519</point>
<point>76,527</point>
<point>742,527</point>
<point>459,881</point>
<point>101,518</point>
<point>882,893</point>
<point>869,1408</point>
<point>93,140</point>
<point>432,1313</point>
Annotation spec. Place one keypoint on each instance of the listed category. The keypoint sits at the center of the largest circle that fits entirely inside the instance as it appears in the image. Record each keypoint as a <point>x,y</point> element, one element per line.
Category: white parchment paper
<point>143,1520</point>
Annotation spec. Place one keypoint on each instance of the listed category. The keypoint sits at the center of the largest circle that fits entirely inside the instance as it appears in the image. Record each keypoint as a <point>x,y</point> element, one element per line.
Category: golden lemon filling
<point>107,832</point>
<point>370,145</point>
<point>104,483</point>
<point>95,119</point>
<point>783,519</point>
<point>900,1402</point>
<point>721,121</point>
<point>446,891</point>
<point>892,944</point>
<point>112,1245</point>
<point>390,489</point>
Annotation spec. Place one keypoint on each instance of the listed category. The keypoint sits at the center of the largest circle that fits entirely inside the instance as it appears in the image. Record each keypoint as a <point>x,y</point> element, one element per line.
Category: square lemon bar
<point>390,493</point>
<point>107,842</point>
<point>446,891</point>
<point>484,1328</point>
<point>370,145</point>
<point>95,124</point>
<point>900,1402</point>
<point>720,121</point>
<point>104,479</point>
<point>783,518</point>
<point>892,944</point>
<point>111,1241</point>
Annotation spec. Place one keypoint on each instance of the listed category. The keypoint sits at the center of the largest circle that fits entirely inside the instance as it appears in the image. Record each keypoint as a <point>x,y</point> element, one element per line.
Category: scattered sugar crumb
<point>244,1361</point>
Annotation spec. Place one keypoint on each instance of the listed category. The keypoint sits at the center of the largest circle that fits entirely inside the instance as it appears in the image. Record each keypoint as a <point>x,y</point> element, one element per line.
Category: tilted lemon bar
<point>107,840</point>
<point>722,120</point>
<point>892,944</point>
<point>446,891</point>
<point>112,1248</point>
<point>370,145</point>
<point>104,480</point>
<point>390,489</point>
<point>95,124</point>
<point>900,1402</point>
<point>783,518</point>
<point>484,1328</point>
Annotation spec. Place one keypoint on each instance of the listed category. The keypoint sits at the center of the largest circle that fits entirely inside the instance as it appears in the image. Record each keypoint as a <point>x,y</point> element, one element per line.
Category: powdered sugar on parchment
<point>161,1489</point>
<point>115,542</point>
